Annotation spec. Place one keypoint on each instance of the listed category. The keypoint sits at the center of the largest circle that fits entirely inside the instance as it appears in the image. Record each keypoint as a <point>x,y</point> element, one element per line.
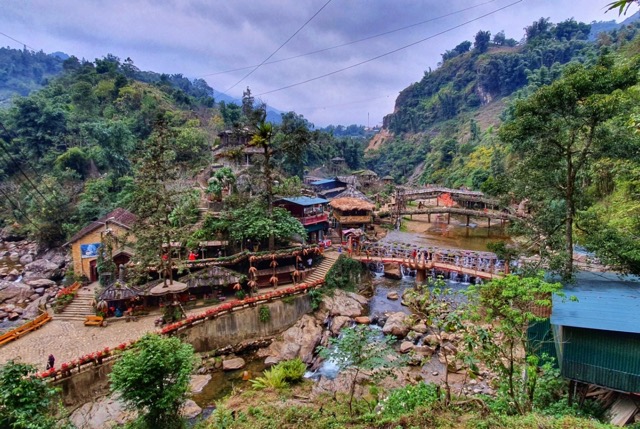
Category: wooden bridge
<point>469,213</point>
<point>483,265</point>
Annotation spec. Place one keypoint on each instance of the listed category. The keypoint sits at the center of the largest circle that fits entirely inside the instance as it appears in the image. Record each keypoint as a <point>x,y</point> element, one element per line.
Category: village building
<point>235,150</point>
<point>310,212</point>
<point>349,213</point>
<point>328,188</point>
<point>86,243</point>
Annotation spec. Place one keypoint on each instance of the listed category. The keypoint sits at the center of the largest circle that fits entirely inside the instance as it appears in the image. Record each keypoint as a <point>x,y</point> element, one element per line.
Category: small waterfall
<point>478,281</point>
<point>453,276</point>
<point>19,279</point>
<point>465,279</point>
<point>407,272</point>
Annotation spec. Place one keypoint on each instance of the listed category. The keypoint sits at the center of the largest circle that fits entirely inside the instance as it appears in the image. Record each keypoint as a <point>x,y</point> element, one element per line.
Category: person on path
<point>51,362</point>
<point>310,262</point>
<point>192,256</point>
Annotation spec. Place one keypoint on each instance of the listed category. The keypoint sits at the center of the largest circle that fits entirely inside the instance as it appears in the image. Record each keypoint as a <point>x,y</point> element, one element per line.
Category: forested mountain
<point>551,120</point>
<point>70,151</point>
<point>23,71</point>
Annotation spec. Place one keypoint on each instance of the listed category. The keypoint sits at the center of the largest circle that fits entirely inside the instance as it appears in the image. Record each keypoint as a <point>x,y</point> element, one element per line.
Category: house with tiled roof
<point>85,244</point>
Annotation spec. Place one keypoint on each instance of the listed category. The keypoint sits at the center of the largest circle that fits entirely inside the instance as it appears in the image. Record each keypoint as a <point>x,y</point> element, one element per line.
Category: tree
<point>621,5</point>
<point>557,133</point>
<point>361,349</point>
<point>482,40</point>
<point>441,309</point>
<point>153,377</point>
<point>262,140</point>
<point>157,193</point>
<point>503,310</point>
<point>26,401</point>
<point>499,38</point>
<point>221,180</point>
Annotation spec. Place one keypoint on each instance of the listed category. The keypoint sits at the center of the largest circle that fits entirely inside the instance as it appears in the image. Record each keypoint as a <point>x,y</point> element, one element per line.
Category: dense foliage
<point>26,400</point>
<point>153,378</point>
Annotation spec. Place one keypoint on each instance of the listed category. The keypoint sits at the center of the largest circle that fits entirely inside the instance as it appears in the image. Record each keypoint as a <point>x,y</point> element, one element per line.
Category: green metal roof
<point>304,201</point>
<point>605,301</point>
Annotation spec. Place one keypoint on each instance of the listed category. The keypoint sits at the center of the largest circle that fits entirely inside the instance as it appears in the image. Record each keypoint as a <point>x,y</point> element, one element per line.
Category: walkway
<point>70,339</point>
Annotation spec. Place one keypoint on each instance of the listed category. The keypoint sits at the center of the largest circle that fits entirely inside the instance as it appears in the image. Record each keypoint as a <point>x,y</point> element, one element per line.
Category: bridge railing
<point>478,261</point>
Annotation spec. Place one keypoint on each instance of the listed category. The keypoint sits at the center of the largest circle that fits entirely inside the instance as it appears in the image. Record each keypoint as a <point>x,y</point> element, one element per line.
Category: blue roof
<point>322,182</point>
<point>305,201</point>
<point>606,301</point>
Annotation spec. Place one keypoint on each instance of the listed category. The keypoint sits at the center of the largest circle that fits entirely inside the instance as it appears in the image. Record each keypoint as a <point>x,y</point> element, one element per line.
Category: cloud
<point>201,37</point>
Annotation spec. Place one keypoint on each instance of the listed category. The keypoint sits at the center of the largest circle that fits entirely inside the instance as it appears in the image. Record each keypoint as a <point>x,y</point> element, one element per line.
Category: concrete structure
<point>86,243</point>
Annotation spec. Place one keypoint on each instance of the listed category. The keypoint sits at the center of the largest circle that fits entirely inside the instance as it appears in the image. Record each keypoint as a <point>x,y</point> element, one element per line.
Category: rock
<point>4,271</point>
<point>362,320</point>
<point>431,339</point>
<point>270,361</point>
<point>392,271</point>
<point>102,413</point>
<point>14,292</point>
<point>8,307</point>
<point>198,382</point>
<point>395,325</point>
<point>42,269</point>
<point>420,328</point>
<point>26,259</point>
<point>13,316</point>
<point>3,314</point>
<point>57,255</point>
<point>413,336</point>
<point>425,350</point>
<point>406,347</point>
<point>190,409</point>
<point>39,291</point>
<point>18,310</point>
<point>435,373</point>
<point>393,295</point>
<point>14,256</point>
<point>338,323</point>
<point>342,304</point>
<point>231,364</point>
<point>298,341</point>
<point>40,283</point>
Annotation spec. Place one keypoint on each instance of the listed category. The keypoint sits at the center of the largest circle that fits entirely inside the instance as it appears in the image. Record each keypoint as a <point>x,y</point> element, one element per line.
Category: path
<point>70,339</point>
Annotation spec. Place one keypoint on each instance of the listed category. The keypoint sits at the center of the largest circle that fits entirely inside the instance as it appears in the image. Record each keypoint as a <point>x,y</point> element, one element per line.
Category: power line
<point>280,47</point>
<point>15,206</point>
<point>16,40</point>
<point>390,52</point>
<point>35,171</point>
<point>354,41</point>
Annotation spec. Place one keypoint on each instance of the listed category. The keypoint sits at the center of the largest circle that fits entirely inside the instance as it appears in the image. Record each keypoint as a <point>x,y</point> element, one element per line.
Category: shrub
<point>293,370</point>
<point>406,399</point>
<point>281,375</point>
<point>264,314</point>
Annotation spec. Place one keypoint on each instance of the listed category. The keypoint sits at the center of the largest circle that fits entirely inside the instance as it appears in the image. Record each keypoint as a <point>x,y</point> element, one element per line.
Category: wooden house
<point>310,212</point>
<point>85,245</point>
<point>349,212</point>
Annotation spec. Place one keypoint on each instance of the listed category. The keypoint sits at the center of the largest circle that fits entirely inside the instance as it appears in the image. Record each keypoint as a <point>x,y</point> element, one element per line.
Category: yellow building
<point>85,245</point>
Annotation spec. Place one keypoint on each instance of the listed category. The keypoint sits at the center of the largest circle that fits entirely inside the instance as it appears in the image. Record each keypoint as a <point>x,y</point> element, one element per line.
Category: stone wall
<point>228,329</point>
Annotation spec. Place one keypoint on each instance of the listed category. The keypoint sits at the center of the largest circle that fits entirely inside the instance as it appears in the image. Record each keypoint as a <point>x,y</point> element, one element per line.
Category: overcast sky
<point>202,38</point>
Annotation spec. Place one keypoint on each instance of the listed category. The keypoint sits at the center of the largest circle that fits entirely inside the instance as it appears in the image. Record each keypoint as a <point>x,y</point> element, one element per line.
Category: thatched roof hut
<point>118,291</point>
<point>350,203</point>
<point>352,192</point>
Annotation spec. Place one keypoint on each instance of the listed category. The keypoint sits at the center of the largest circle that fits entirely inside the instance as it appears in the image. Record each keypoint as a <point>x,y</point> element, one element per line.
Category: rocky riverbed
<point>29,278</point>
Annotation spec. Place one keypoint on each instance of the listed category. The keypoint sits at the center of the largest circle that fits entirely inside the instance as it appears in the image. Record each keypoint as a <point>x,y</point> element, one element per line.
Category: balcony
<point>349,220</point>
<point>310,220</point>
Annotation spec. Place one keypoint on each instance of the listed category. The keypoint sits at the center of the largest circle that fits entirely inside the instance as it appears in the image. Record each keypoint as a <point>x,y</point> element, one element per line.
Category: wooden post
<point>421,275</point>
<point>429,217</point>
<point>468,217</point>
<point>489,222</point>
<point>448,218</point>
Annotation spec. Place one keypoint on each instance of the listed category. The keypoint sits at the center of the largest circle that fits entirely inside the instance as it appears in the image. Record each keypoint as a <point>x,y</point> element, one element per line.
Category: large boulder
<point>32,310</point>
<point>392,271</point>
<point>57,255</point>
<point>231,364</point>
<point>40,283</point>
<point>14,292</point>
<point>190,409</point>
<point>26,259</point>
<point>101,413</point>
<point>396,325</point>
<point>342,304</point>
<point>338,323</point>
<point>298,341</point>
<point>42,269</point>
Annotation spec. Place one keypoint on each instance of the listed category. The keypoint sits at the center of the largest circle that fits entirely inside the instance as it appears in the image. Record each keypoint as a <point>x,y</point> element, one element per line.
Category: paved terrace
<point>70,339</point>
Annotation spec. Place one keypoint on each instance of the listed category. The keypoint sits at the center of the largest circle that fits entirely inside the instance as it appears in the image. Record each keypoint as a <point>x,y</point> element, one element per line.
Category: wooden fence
<point>18,332</point>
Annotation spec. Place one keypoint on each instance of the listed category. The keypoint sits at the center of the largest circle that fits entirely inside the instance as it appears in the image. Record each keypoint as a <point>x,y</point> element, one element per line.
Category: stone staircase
<point>80,307</point>
<point>330,258</point>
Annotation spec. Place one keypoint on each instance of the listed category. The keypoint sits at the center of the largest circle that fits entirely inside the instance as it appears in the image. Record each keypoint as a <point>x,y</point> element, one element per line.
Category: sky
<point>223,42</point>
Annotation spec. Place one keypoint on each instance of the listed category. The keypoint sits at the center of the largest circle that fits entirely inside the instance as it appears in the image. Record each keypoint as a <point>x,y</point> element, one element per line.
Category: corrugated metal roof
<point>606,301</point>
<point>304,201</point>
<point>322,182</point>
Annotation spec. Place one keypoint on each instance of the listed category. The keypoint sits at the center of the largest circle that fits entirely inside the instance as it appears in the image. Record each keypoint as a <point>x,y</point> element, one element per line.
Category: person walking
<point>51,362</point>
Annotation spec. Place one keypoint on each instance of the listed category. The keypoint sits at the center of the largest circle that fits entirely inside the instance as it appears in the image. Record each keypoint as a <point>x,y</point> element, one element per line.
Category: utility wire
<point>16,207</point>
<point>280,47</point>
<point>35,171</point>
<point>354,41</point>
<point>16,40</point>
<point>390,52</point>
